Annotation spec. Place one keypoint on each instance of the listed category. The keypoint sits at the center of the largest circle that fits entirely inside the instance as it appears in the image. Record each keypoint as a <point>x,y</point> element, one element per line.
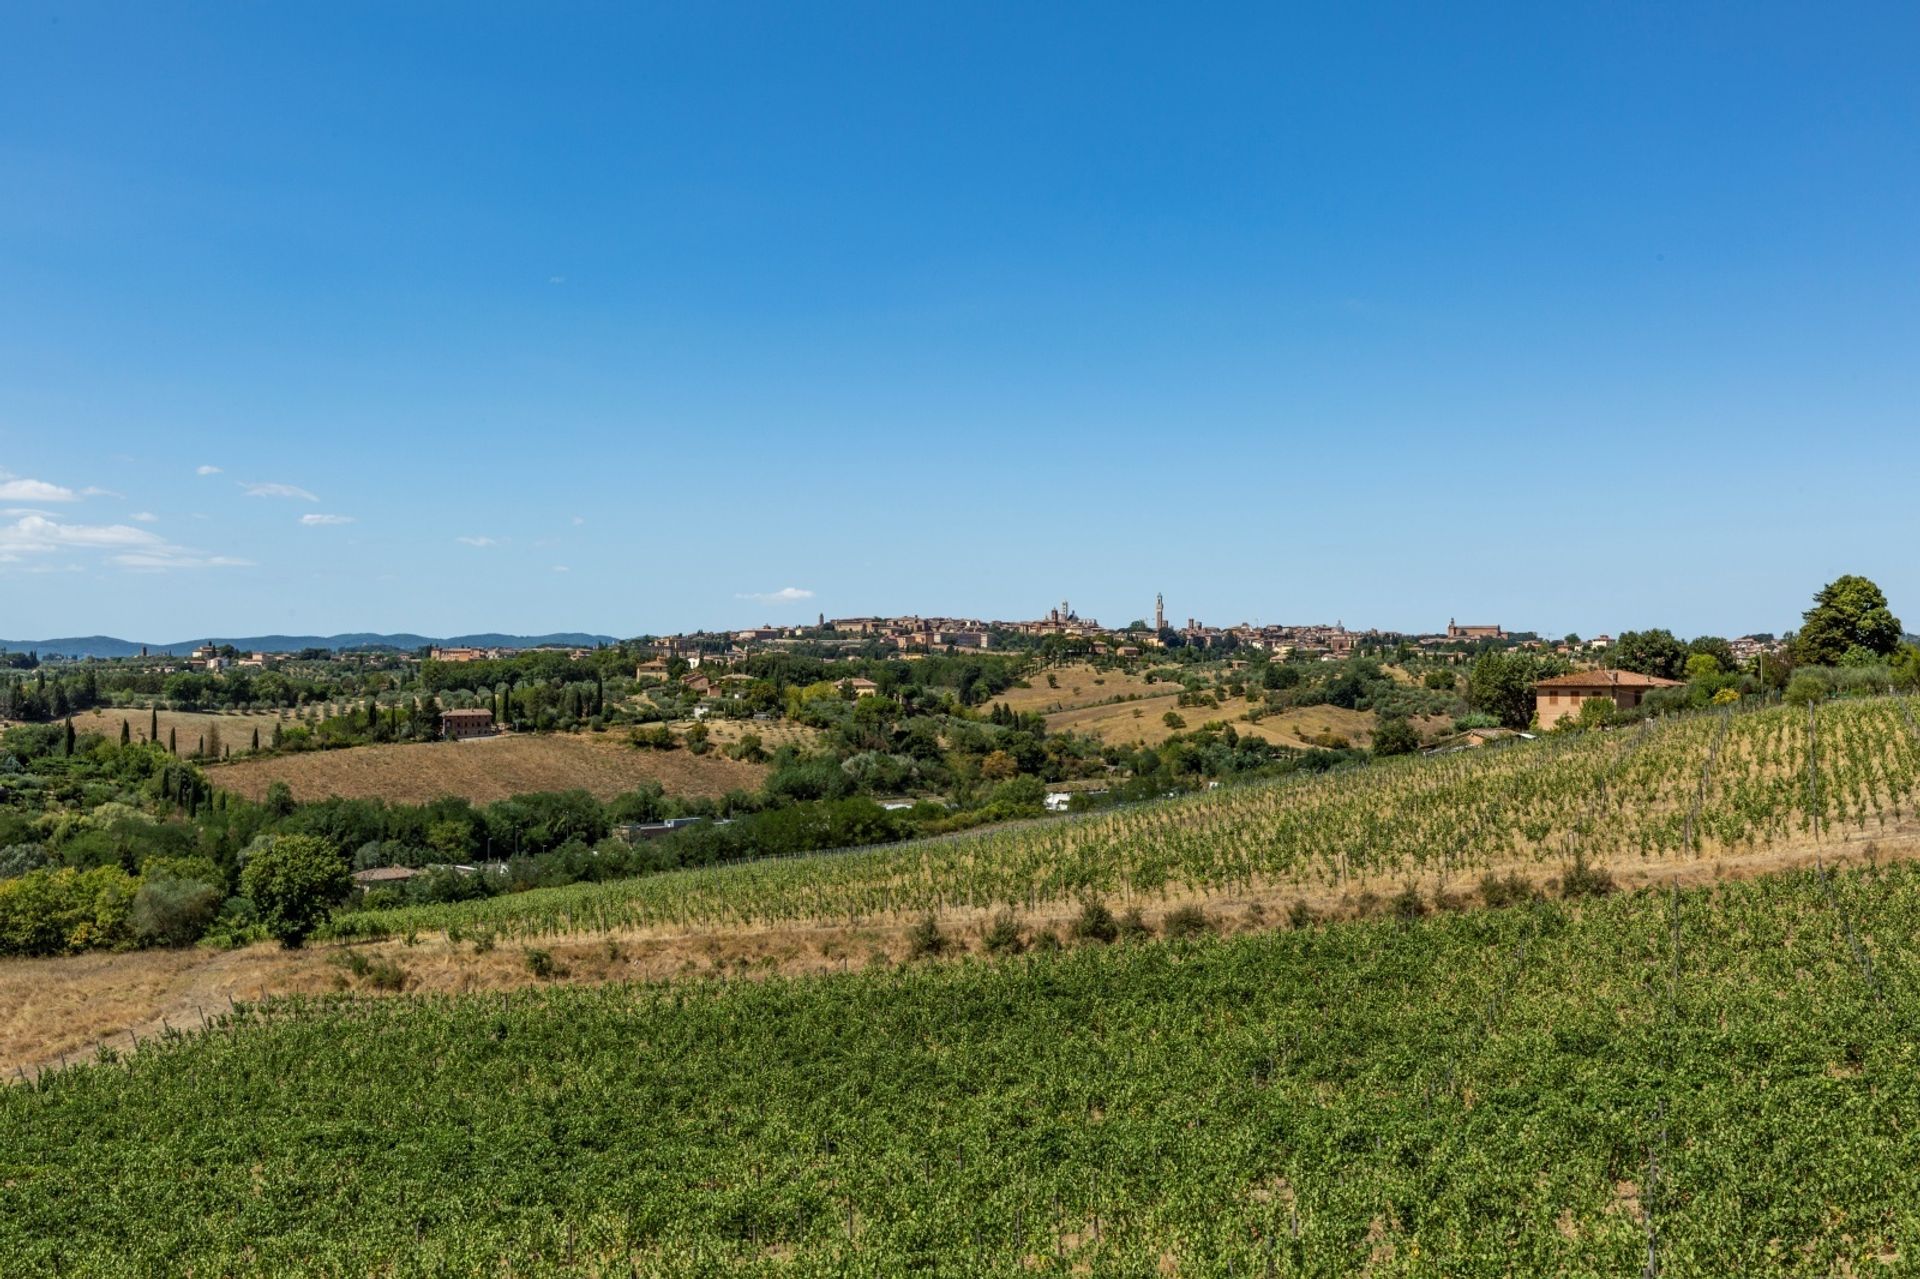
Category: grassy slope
<point>1478,1094</point>
<point>487,769</point>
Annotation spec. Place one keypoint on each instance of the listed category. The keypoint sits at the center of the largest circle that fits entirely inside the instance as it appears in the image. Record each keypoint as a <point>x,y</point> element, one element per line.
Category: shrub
<point>1002,936</point>
<point>1510,891</point>
<point>1133,926</point>
<point>1395,737</point>
<point>1300,915</point>
<point>294,881</point>
<point>540,963</point>
<point>1806,689</point>
<point>1582,880</point>
<point>1187,921</point>
<point>1407,905</point>
<point>173,912</point>
<point>924,940</point>
<point>1045,942</point>
<point>1095,923</point>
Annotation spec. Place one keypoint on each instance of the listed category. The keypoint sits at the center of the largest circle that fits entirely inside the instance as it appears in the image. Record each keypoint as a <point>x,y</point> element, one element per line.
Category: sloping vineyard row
<point>1691,786</point>
<point>1709,1082</point>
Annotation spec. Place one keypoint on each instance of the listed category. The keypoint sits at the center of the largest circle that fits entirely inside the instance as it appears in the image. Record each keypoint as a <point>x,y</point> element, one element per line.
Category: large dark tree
<point>1501,685</point>
<point>1849,612</point>
<point>1654,652</point>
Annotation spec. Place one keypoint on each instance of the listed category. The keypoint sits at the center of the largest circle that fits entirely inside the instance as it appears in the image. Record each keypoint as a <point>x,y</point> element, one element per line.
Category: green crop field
<point>1722,1081</point>
<point>1688,787</point>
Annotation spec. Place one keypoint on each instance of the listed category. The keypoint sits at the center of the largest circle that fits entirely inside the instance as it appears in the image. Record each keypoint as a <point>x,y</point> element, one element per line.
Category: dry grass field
<point>1143,723</point>
<point>488,769</point>
<point>234,731</point>
<point>1078,686</point>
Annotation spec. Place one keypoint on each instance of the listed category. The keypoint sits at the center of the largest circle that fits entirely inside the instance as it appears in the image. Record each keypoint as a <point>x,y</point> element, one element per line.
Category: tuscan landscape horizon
<point>678,641</point>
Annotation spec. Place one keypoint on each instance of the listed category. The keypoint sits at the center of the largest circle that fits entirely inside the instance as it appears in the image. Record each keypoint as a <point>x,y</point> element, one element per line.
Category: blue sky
<point>468,317</point>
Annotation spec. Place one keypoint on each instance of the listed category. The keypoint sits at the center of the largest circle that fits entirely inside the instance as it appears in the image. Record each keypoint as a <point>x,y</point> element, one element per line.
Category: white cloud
<point>92,491</point>
<point>125,545</point>
<point>279,490</point>
<point>14,488</point>
<point>206,470</point>
<point>578,520</point>
<point>785,595</point>
<point>561,568</point>
<point>476,541</point>
<point>317,521</point>
<point>145,517</point>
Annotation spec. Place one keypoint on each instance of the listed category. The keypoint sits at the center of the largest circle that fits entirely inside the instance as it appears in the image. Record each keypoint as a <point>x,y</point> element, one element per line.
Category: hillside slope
<point>1716,1080</point>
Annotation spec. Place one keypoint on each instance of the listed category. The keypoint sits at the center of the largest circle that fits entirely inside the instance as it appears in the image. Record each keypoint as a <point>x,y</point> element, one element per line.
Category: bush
<point>540,963</point>
<point>1300,915</point>
<point>1133,926</point>
<point>1187,921</point>
<point>1407,905</point>
<point>1805,689</point>
<point>1395,737</point>
<point>1511,891</point>
<point>173,912</point>
<point>52,912</point>
<point>1095,923</point>
<point>924,940</point>
<point>1582,880</point>
<point>294,881</point>
<point>1002,936</point>
<point>1045,942</point>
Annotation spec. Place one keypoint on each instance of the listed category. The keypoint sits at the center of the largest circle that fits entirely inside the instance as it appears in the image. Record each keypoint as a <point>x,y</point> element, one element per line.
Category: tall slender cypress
<point>153,725</point>
<point>126,732</point>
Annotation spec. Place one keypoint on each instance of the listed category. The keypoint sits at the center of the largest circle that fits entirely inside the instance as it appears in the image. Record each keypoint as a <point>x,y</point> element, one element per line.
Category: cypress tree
<point>276,736</point>
<point>200,751</point>
<point>256,738</point>
<point>153,725</point>
<point>69,738</point>
<point>126,732</point>
<point>173,741</point>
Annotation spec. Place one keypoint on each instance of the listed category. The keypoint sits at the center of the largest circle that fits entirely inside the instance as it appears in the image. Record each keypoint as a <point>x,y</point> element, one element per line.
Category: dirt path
<point>55,1010</point>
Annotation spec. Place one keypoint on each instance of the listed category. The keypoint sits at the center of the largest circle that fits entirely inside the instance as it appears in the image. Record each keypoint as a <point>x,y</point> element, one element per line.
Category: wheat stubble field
<point>487,769</point>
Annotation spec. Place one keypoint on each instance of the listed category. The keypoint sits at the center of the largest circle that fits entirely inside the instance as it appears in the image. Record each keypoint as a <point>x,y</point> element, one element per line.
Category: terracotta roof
<point>384,874</point>
<point>1608,679</point>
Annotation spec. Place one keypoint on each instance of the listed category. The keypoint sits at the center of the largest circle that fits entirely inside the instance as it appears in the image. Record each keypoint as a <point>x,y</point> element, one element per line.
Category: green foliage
<point>53,912</point>
<point>1003,936</point>
<point>1501,685</point>
<point>1395,737</point>
<point>1652,652</point>
<point>174,912</point>
<point>1186,922</point>
<point>1355,1076</point>
<point>1848,612</point>
<point>1095,922</point>
<point>1439,679</point>
<point>1584,880</point>
<point>924,939</point>
<point>1805,689</point>
<point>295,881</point>
<point>1510,890</point>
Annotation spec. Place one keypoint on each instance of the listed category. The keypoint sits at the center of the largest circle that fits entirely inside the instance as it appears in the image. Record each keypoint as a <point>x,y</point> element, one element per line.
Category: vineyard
<point>1711,1082</point>
<point>1697,786</point>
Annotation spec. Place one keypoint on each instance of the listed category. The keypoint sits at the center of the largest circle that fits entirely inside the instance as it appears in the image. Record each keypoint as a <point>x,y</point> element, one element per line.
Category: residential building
<point>1556,698</point>
<point>464,722</point>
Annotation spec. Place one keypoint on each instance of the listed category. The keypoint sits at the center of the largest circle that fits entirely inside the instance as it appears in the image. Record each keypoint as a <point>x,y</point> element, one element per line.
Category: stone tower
<point>1159,611</point>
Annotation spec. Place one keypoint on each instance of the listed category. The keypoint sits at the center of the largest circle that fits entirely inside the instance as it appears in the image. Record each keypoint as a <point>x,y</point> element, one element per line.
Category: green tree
<point>1501,685</point>
<point>1702,666</point>
<point>1395,736</point>
<point>126,733</point>
<point>294,882</point>
<point>1848,612</point>
<point>1654,652</point>
<point>153,724</point>
<point>1716,648</point>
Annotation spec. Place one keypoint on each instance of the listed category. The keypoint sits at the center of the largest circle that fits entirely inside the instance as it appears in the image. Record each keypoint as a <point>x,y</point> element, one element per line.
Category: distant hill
<point>109,646</point>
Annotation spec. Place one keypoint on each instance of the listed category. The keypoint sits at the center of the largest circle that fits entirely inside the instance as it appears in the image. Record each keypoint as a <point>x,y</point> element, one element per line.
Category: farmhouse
<point>458,725</point>
<point>860,686</point>
<point>1555,699</point>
